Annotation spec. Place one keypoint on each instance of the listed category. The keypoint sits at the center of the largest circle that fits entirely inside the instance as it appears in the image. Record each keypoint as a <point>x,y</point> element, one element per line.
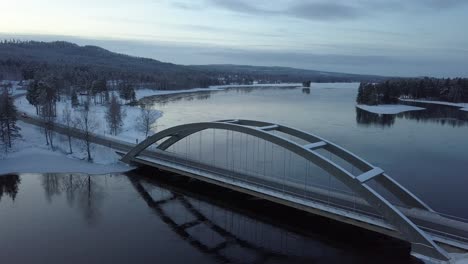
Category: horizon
<point>388,38</point>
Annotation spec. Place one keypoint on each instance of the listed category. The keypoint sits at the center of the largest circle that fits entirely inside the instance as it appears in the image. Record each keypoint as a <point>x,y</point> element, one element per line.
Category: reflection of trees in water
<point>80,190</point>
<point>9,185</point>
<point>201,95</point>
<point>443,115</point>
<point>306,90</point>
<point>171,98</point>
<point>367,118</point>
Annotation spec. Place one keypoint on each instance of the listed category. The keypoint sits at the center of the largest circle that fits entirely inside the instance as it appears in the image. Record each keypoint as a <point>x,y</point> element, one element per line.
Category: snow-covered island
<point>462,106</point>
<point>388,109</point>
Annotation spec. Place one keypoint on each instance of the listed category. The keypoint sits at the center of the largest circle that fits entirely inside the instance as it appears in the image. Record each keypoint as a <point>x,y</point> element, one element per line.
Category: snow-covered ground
<point>16,88</point>
<point>31,154</point>
<point>463,106</point>
<point>389,109</point>
<point>128,133</point>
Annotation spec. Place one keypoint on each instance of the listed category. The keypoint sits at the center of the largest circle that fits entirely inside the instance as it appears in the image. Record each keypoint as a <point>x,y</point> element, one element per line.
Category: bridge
<point>283,164</point>
<point>296,169</point>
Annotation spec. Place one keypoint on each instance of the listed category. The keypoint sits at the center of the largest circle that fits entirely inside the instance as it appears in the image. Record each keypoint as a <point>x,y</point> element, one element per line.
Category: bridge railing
<point>249,178</point>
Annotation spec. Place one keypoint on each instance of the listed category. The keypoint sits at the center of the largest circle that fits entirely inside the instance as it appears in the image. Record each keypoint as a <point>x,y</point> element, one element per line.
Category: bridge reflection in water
<point>234,228</point>
<point>303,171</point>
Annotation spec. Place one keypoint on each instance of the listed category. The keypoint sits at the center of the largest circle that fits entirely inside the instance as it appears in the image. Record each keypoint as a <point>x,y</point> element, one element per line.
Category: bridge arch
<point>358,184</point>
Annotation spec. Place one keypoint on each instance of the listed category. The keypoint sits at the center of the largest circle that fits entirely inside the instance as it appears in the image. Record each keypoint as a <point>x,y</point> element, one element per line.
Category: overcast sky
<point>388,37</point>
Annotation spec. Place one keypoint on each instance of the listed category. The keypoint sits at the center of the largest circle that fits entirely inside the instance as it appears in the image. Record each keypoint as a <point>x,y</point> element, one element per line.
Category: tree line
<point>78,110</point>
<point>76,65</point>
<point>79,65</point>
<point>450,90</point>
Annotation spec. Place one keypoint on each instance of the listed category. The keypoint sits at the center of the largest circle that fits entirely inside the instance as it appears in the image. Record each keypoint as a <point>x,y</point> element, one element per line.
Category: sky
<point>384,37</point>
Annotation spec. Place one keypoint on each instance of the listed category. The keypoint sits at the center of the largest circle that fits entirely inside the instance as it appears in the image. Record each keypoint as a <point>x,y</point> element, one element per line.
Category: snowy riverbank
<point>31,154</point>
<point>128,133</point>
<point>462,106</point>
<point>388,109</point>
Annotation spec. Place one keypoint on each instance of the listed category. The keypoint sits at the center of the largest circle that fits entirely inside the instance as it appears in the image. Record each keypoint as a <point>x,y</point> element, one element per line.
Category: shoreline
<point>388,109</point>
<point>462,106</point>
<point>146,92</point>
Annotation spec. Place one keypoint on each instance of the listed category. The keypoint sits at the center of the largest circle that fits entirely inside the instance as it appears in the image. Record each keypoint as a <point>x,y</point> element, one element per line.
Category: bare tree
<point>114,115</point>
<point>67,119</point>
<point>86,122</point>
<point>146,119</point>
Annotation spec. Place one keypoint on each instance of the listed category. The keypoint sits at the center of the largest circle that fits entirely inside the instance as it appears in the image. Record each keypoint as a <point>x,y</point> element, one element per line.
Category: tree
<point>127,92</point>
<point>32,94</point>
<point>69,124</point>
<point>114,115</point>
<point>9,131</point>
<point>47,111</point>
<point>146,119</point>
<point>86,122</point>
<point>74,99</point>
<point>99,87</point>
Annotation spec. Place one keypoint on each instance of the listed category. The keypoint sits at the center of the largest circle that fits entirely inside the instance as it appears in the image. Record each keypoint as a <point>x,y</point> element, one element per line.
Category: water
<point>425,151</point>
<point>70,218</point>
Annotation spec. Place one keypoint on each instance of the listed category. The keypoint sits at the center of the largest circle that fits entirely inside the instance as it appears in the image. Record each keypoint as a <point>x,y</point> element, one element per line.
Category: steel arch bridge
<point>429,233</point>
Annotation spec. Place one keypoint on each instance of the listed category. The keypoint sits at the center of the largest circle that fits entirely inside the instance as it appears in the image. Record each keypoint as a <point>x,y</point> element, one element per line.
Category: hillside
<point>286,73</point>
<point>82,64</point>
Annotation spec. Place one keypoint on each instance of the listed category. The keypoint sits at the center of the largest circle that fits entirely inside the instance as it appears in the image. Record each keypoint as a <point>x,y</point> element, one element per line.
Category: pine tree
<point>9,131</point>
<point>74,99</point>
<point>32,94</point>
<point>114,115</point>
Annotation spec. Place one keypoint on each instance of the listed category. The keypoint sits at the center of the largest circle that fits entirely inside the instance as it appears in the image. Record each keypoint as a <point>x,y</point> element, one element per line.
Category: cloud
<point>325,10</point>
<point>315,10</point>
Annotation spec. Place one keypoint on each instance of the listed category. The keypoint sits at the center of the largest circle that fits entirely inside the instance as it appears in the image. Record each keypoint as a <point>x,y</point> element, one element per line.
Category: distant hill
<point>286,73</point>
<point>83,64</point>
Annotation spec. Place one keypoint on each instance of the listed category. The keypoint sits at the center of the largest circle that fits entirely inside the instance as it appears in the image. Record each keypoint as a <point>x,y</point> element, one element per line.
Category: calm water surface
<point>70,218</point>
<point>426,151</point>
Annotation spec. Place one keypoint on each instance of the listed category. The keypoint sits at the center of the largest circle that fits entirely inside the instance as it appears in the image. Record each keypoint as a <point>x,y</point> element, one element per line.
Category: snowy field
<point>31,154</point>
<point>388,109</point>
<point>128,133</point>
<point>463,106</point>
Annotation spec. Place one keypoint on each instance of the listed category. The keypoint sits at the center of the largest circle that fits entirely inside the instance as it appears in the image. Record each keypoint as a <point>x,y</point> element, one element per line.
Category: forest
<point>81,65</point>
<point>450,90</point>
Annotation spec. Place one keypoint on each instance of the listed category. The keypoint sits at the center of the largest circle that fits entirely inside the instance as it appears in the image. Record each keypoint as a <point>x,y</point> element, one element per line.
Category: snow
<point>128,133</point>
<point>463,106</point>
<point>33,160</point>
<point>389,109</point>
<point>31,155</point>
<point>457,258</point>
<point>16,89</point>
